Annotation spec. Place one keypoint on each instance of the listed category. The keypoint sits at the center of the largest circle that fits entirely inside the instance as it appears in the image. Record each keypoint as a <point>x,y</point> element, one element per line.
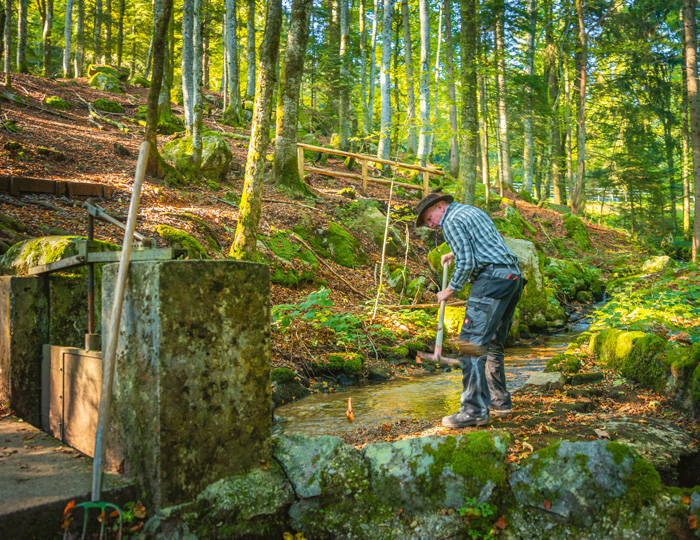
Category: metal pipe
<point>91,279</point>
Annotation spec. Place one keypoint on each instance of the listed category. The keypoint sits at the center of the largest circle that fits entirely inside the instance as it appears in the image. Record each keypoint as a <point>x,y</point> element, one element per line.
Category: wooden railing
<point>364,177</point>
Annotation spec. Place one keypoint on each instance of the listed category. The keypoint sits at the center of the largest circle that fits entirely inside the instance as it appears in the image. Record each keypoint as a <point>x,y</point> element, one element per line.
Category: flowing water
<point>424,398</point>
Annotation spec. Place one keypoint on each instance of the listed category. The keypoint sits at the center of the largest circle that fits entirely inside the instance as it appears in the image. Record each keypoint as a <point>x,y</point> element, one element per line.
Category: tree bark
<point>569,136</point>
<point>245,241</point>
<point>578,196</point>
<point>385,83</point>
<point>120,32</point>
<point>433,128</point>
<point>484,122</point>
<point>557,176</point>
<point>67,33</point>
<point>2,26</point>
<point>187,63</point>
<point>250,51</point>
<point>108,32</point>
<point>79,59</point>
<point>691,62</point>
<point>232,114</point>
<point>286,163</point>
<point>451,92</point>
<point>506,173</point>
<point>363,72</point>
<point>344,86</point>
<point>22,37</point>
<point>46,38</point>
<point>469,132</point>
<point>412,141</point>
<point>424,85</point>
<point>8,44</point>
<point>528,152</point>
<point>685,131</point>
<point>97,33</point>
<point>373,63</point>
<point>198,22</point>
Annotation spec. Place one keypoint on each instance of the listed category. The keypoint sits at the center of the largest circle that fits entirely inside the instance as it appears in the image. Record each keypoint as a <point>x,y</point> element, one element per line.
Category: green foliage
<point>281,375</point>
<point>480,516</point>
<point>176,236</point>
<point>56,102</point>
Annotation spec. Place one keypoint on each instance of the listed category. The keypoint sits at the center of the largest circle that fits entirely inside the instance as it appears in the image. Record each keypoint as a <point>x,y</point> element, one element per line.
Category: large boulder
<point>106,83</point>
<point>369,219</point>
<point>571,277</point>
<point>657,264</point>
<point>291,264</point>
<point>533,302</point>
<point>216,155</point>
<point>119,73</point>
<point>334,242</point>
<point>577,231</point>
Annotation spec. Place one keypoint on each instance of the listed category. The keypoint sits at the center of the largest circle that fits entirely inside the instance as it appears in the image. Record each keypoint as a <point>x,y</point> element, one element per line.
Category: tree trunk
<point>21,37</point>
<point>232,114</point>
<point>250,51</point>
<point>484,122</point>
<point>398,124</point>
<point>557,176</point>
<point>433,128</point>
<point>529,73</point>
<point>385,82</point>
<point>197,87</point>
<point>187,63</point>
<point>108,32</point>
<point>67,32</point>
<point>578,196</point>
<point>344,86</point>
<point>79,60</point>
<point>451,92</point>
<point>286,162</point>
<point>691,62</point>
<point>8,44</point>
<point>412,141</point>
<point>373,63</point>
<point>469,132</point>
<point>120,32</point>
<point>246,238</point>
<point>205,52</point>
<point>506,173</point>
<point>97,33</point>
<point>424,86</point>
<point>156,166</point>
<point>687,235</point>
<point>2,26</point>
<point>363,72</point>
<point>569,136</point>
<point>46,38</point>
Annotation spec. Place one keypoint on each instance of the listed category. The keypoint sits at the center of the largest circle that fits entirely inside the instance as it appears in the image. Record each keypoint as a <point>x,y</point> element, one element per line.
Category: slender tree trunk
<point>451,92</point>
<point>484,122</point>
<point>669,144</point>
<point>79,60</point>
<point>67,32</point>
<point>691,61</point>
<point>398,124</point>
<point>569,136</point>
<point>188,63</point>
<point>22,37</point>
<point>197,87</point>
<point>46,38</point>
<point>344,86</point>
<point>245,241</point>
<point>286,162</point>
<point>232,114</point>
<point>108,32</point>
<point>373,63</point>
<point>502,109</point>
<point>97,33</point>
<point>205,52</point>
<point>687,235</point>
<point>363,68</point>
<point>469,132</point>
<point>555,160</point>
<point>385,82</point>
<point>8,44</point>
<point>412,141</point>
<point>529,73</point>
<point>155,162</point>
<point>578,197</point>
<point>250,49</point>
<point>120,32</point>
<point>424,86</point>
<point>433,128</point>
<point>2,26</point>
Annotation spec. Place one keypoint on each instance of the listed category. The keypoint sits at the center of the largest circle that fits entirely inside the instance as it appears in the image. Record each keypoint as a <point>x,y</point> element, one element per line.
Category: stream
<point>424,398</point>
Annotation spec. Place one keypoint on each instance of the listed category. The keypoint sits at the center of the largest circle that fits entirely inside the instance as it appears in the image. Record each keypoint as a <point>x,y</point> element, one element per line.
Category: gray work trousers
<point>488,318</point>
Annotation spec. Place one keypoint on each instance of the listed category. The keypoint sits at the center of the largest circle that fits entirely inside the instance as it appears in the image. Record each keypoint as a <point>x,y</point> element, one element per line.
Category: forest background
<point>570,100</point>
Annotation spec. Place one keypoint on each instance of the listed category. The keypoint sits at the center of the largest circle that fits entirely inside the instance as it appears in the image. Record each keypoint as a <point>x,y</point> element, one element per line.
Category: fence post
<point>364,177</point>
<point>300,162</point>
<point>426,183</point>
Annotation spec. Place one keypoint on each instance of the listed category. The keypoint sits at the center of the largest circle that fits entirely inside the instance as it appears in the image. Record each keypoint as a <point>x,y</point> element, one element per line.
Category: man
<point>481,257</point>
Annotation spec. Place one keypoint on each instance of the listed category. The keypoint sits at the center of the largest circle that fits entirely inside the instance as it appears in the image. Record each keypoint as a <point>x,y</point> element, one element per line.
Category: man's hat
<point>429,200</point>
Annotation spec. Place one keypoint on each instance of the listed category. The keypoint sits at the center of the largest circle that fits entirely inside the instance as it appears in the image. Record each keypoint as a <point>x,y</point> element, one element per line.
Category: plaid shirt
<point>474,241</point>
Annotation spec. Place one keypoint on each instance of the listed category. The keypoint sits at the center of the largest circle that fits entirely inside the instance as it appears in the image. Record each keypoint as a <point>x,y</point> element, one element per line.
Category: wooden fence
<point>364,177</point>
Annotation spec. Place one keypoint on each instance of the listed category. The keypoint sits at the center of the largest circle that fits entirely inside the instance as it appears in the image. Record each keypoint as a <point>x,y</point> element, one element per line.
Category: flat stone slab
<point>549,381</point>
<point>39,476</point>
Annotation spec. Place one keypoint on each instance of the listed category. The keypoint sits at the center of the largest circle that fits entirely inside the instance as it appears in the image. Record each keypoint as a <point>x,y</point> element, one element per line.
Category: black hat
<point>429,200</point>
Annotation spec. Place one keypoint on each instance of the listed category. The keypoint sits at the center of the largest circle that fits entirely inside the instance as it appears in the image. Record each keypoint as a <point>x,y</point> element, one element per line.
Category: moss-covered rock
<point>657,264</point>
<point>347,192</point>
<point>119,73</point>
<point>569,277</point>
<point>106,83</point>
<point>434,257</point>
<point>565,363</point>
<point>216,155</point>
<point>367,218</point>
<point>108,105</point>
<point>556,316</point>
<point>290,263</point>
<point>414,290</point>
<point>176,236</point>
<point>336,243</point>
<point>143,82</point>
<point>348,363</point>
<point>56,102</point>
<point>533,302</point>
<point>576,230</point>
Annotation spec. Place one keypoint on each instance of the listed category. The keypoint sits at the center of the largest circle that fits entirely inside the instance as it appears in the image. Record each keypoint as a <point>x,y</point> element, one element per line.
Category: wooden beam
<point>353,176</point>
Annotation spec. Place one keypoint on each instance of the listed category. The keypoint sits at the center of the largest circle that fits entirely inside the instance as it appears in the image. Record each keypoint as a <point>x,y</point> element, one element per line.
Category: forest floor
<point>99,153</point>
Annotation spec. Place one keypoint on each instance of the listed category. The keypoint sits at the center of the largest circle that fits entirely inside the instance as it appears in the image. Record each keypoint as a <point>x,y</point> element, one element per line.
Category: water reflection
<point>424,398</point>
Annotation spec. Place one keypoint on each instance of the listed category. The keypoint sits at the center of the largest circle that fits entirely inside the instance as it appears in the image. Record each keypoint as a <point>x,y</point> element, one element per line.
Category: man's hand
<point>442,296</point>
<point>447,259</point>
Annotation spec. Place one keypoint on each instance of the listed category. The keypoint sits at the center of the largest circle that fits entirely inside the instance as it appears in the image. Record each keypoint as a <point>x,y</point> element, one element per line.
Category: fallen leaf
<point>685,499</point>
<point>501,523</point>
<point>115,513</point>
<point>547,505</point>
<point>602,434</point>
<point>349,414</point>
<point>69,507</point>
<point>692,522</point>
<point>528,446</point>
<point>139,510</point>
<point>101,517</point>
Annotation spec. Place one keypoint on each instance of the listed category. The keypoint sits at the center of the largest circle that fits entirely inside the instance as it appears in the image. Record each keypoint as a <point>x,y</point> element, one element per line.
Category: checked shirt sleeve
<point>460,241</point>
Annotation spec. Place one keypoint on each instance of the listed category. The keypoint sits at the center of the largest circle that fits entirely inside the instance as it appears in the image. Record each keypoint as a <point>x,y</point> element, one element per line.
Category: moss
<point>642,366</point>
<point>175,236</point>
<point>507,228</point>
<point>524,195</point>
<point>335,243</point>
<point>416,346</point>
<point>290,264</point>
<point>212,185</point>
<point>108,105</point>
<point>584,297</point>
<point>106,83</point>
<point>348,363</point>
<point>643,481</point>
<point>282,374</point>
<point>400,351</point>
<point>56,102</point>
<point>348,193</point>
<point>576,230</point>
<point>565,363</point>
<point>143,82</point>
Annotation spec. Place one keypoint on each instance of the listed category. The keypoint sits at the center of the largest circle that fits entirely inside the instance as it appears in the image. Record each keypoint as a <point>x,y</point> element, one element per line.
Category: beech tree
<point>691,63</point>
<point>452,93</point>
<point>67,39</point>
<point>384,148</point>
<point>21,36</point>
<point>250,48</point>
<point>503,135</point>
<point>79,57</point>
<point>424,86</point>
<point>578,197</point>
<point>412,139</point>
<point>469,129</point>
<point>232,114</point>
<point>8,43</point>
<point>528,113</point>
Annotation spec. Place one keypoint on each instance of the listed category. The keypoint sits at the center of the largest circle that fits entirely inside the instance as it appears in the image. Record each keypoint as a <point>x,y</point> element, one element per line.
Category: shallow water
<point>425,398</point>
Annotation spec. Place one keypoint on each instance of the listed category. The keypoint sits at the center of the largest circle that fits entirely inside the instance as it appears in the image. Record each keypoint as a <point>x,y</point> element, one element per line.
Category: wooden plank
<point>300,163</point>
<point>16,185</point>
<point>426,184</point>
<point>353,176</point>
<point>431,170</point>
<point>364,177</point>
